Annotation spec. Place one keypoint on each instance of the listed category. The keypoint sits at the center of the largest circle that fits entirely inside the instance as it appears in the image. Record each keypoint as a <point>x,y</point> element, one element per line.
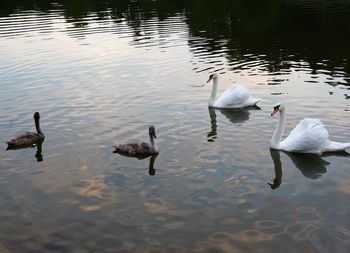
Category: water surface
<point>101,72</point>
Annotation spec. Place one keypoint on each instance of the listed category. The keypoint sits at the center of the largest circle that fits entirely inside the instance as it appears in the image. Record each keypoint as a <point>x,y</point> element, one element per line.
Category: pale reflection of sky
<point>102,89</point>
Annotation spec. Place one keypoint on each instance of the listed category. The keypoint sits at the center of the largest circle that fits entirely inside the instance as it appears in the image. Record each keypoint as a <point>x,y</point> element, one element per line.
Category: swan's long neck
<point>153,142</point>
<point>37,126</point>
<point>213,92</point>
<point>277,135</point>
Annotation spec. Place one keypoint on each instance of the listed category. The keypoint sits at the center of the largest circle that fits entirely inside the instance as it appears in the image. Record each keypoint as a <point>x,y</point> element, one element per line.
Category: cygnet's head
<point>36,115</point>
<point>152,131</point>
<point>277,108</point>
<point>212,77</point>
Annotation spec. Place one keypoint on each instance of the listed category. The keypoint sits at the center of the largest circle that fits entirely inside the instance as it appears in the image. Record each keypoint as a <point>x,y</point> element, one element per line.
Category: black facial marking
<point>276,107</point>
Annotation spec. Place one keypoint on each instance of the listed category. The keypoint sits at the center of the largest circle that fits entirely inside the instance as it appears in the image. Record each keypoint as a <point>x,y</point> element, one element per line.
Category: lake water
<point>100,72</point>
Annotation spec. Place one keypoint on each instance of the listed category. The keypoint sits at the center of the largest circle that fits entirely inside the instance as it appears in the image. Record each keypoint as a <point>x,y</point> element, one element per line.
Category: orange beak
<point>274,112</point>
<point>210,78</point>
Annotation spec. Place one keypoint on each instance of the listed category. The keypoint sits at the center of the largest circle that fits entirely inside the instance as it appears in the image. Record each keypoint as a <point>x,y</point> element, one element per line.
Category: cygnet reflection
<point>151,169</point>
<point>38,153</point>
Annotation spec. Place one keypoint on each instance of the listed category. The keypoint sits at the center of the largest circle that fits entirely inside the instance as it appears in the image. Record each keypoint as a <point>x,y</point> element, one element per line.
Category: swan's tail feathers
<point>14,144</point>
<point>347,146</point>
<point>337,146</point>
<point>253,101</point>
<point>116,149</point>
<point>10,145</point>
<point>256,100</point>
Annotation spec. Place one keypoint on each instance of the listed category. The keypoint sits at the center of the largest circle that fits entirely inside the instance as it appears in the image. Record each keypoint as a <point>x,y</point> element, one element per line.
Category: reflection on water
<point>151,169</point>
<point>234,115</point>
<point>38,153</point>
<point>275,44</point>
<point>102,71</point>
<point>276,158</point>
<point>311,166</point>
<point>212,135</point>
<point>238,115</point>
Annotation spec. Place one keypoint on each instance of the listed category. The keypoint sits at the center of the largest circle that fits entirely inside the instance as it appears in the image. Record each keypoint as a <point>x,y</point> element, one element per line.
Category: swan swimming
<point>309,136</point>
<point>140,150</point>
<point>235,96</point>
<point>28,139</point>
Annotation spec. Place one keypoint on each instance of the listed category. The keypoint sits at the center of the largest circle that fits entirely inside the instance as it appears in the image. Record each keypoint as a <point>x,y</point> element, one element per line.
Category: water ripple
<point>102,77</point>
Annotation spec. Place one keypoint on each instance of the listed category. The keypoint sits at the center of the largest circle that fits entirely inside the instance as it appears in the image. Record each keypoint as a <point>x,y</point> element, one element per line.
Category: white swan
<point>235,96</point>
<point>309,136</point>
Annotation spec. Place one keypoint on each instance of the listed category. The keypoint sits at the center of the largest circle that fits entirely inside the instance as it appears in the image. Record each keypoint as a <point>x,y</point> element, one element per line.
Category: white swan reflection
<point>311,166</point>
<point>235,116</point>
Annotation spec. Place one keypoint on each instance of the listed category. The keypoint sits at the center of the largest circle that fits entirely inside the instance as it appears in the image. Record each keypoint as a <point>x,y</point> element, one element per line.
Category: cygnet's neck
<point>277,135</point>
<point>37,125</point>
<point>213,92</point>
<point>153,143</point>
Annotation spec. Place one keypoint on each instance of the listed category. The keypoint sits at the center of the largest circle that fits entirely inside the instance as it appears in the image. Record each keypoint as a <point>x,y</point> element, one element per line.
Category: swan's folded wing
<point>26,139</point>
<point>235,95</point>
<point>139,150</point>
<point>309,135</point>
<point>127,149</point>
<point>145,147</point>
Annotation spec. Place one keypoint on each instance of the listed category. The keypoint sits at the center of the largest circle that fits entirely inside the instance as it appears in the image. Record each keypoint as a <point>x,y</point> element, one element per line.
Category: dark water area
<point>101,72</point>
<point>311,30</point>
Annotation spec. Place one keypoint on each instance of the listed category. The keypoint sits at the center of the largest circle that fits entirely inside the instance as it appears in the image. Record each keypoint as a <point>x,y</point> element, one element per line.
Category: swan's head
<point>277,108</point>
<point>212,77</point>
<point>152,131</point>
<point>36,115</point>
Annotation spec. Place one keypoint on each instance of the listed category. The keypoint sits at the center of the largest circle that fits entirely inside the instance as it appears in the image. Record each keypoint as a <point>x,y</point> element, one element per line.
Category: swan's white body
<point>235,96</point>
<point>309,136</point>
